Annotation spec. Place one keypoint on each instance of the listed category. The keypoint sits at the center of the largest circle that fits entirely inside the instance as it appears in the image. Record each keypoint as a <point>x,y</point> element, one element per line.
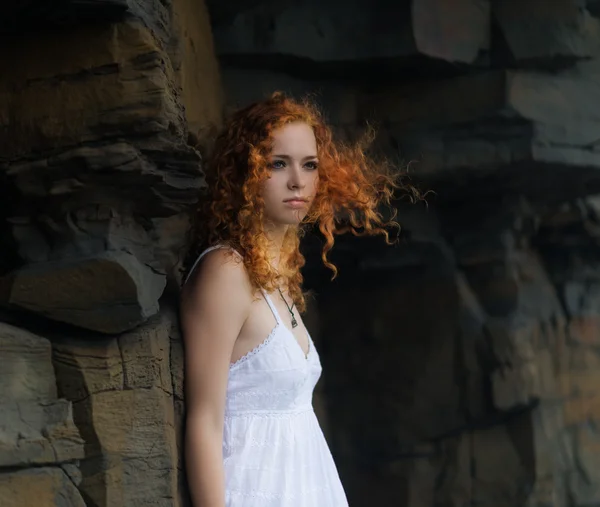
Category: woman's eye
<point>278,164</point>
<point>312,165</point>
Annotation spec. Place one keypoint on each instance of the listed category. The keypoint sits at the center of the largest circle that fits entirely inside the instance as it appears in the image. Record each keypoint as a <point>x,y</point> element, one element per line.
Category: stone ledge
<point>125,294</point>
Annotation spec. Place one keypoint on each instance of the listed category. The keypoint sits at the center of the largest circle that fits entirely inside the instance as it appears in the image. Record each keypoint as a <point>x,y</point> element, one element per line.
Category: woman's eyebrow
<point>287,157</point>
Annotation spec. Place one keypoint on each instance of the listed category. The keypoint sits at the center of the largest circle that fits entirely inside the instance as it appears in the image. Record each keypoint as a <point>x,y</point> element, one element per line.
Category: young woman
<point>252,438</point>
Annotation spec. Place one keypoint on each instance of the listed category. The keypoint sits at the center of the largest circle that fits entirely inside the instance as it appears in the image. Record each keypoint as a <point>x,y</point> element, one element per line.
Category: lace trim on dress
<point>280,496</point>
<point>275,394</point>
<point>253,442</point>
<point>256,349</point>
<point>271,414</point>
<point>299,468</point>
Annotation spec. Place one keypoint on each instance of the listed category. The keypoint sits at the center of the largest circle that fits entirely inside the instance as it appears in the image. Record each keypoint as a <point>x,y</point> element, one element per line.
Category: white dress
<point>274,451</point>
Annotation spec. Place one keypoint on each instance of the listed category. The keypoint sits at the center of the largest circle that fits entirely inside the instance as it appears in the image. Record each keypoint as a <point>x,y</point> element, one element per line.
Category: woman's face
<point>292,185</point>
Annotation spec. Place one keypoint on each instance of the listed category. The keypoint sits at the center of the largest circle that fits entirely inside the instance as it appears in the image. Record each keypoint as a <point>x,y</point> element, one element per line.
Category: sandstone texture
<point>123,405</point>
<point>39,441</point>
<point>94,122</point>
<point>100,106</point>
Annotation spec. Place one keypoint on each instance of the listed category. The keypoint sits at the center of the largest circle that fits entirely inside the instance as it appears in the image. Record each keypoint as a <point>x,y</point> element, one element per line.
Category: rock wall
<point>39,443</point>
<point>467,372</point>
<point>126,394</point>
<point>97,103</point>
<point>460,367</point>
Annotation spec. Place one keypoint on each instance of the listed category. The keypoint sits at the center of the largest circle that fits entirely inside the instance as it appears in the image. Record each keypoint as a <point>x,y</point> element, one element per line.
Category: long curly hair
<point>351,191</point>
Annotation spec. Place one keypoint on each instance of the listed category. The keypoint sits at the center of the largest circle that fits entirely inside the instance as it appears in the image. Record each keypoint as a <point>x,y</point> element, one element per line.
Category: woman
<point>252,438</point>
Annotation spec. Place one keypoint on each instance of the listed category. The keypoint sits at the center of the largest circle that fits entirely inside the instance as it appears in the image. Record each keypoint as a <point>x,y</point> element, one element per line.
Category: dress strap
<point>271,306</point>
<point>264,293</point>
<point>209,249</point>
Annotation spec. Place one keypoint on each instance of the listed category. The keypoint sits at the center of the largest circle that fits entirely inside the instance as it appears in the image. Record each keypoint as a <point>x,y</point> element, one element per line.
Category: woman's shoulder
<point>221,266</point>
<point>215,297</point>
<point>222,261</point>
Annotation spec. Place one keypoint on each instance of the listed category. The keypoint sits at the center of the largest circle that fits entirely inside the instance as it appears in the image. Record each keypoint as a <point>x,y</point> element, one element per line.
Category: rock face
<point>122,392</point>
<point>39,442</point>
<point>94,124</point>
<point>104,430</point>
<point>96,174</point>
<point>460,367</point>
<point>467,397</point>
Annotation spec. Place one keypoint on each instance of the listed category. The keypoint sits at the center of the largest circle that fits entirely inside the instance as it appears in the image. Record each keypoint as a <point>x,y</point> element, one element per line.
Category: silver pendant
<point>294,323</point>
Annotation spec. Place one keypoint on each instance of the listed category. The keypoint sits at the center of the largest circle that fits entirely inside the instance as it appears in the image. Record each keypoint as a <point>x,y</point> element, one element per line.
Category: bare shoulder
<point>219,275</point>
<point>220,263</point>
<point>215,303</point>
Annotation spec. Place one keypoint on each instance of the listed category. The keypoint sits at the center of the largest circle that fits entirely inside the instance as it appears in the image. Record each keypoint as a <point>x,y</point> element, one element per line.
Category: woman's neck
<point>276,237</point>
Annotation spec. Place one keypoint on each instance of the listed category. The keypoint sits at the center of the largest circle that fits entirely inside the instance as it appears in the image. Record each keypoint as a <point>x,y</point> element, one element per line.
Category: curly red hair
<point>350,191</point>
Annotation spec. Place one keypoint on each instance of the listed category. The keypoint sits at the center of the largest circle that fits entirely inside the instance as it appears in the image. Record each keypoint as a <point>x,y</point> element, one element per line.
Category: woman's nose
<point>295,178</point>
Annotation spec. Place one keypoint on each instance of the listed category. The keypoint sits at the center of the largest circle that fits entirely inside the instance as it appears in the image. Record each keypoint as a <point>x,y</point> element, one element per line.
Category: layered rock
<point>511,131</point>
<point>39,442</point>
<point>95,123</point>
<point>122,394</point>
<point>355,31</point>
<point>97,171</point>
<point>458,366</point>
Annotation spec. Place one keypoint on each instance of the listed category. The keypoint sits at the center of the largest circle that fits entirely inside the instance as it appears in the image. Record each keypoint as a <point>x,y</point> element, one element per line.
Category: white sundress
<point>274,451</point>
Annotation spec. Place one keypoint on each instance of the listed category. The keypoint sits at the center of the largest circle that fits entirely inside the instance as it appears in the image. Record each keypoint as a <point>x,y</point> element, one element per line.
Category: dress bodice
<point>274,376</point>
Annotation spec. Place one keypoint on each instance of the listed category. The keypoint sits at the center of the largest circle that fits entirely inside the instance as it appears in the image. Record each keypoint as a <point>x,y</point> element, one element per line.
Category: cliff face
<point>460,366</point>
<point>96,103</point>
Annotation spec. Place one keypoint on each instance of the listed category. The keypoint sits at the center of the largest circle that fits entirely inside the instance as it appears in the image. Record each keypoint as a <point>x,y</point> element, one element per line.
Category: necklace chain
<point>294,321</point>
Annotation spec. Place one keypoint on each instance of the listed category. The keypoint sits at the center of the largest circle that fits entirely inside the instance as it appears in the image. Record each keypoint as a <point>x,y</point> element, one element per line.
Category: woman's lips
<point>295,203</point>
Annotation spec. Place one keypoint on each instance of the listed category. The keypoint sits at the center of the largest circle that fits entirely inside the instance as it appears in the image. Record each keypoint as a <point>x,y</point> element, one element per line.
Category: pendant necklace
<point>294,322</point>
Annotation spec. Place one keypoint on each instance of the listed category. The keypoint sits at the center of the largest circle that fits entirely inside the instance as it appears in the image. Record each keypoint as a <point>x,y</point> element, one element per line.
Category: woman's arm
<point>215,304</point>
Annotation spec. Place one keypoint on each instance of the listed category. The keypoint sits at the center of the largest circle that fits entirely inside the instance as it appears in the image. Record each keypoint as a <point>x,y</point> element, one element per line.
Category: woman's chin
<point>290,220</point>
<point>286,218</point>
